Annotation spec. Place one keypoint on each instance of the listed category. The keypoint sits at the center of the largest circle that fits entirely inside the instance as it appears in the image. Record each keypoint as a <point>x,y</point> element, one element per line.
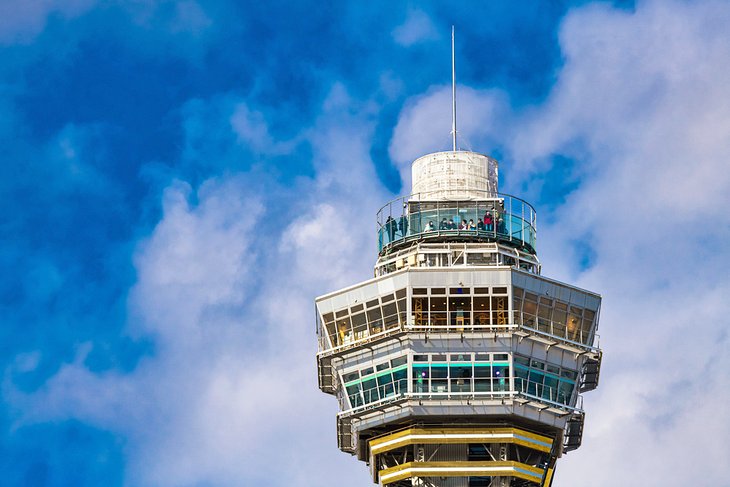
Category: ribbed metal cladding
<point>443,481</point>
<point>445,453</point>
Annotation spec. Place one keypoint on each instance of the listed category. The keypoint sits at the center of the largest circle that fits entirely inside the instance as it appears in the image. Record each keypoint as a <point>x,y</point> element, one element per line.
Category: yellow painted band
<point>412,436</point>
<point>548,477</point>
<point>460,469</point>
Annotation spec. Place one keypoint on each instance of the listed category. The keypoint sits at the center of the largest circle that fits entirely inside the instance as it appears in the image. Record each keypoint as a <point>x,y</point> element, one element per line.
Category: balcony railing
<point>528,390</point>
<point>496,217</point>
<point>586,339</point>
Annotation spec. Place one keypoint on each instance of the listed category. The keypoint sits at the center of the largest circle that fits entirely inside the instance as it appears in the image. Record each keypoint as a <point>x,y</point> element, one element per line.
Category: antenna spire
<point>453,92</point>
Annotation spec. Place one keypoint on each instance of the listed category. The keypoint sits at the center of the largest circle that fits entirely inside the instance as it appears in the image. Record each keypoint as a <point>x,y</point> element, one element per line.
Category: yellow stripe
<point>548,477</point>
<point>442,436</point>
<point>460,469</point>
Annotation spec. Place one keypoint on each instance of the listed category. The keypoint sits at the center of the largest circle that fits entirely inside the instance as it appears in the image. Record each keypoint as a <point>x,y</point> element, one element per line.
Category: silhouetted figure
<point>403,225</point>
<point>390,227</point>
<point>500,226</point>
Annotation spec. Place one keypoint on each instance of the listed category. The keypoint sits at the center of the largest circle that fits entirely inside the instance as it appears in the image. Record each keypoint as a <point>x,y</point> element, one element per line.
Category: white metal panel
<point>493,276</point>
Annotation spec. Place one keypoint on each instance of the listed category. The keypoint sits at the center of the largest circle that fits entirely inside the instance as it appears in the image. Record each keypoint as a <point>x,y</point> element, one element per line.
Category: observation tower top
<point>458,364</point>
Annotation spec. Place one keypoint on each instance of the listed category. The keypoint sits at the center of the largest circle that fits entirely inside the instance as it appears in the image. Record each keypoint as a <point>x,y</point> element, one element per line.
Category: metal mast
<point>453,93</point>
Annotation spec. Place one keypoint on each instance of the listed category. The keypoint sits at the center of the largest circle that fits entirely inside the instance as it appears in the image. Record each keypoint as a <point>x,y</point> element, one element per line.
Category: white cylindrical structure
<point>454,175</point>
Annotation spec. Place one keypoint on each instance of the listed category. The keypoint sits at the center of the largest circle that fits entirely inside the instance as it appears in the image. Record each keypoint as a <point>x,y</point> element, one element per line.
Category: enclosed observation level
<point>458,364</point>
<point>489,217</point>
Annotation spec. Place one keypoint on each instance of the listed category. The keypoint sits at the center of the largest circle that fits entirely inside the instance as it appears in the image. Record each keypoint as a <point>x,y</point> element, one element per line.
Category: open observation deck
<point>420,216</point>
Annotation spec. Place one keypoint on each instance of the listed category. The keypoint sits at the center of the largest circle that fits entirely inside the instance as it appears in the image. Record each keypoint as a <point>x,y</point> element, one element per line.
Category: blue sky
<point>179,180</point>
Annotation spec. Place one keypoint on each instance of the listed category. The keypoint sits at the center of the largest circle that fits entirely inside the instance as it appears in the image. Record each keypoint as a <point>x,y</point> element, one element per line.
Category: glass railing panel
<point>506,218</point>
<point>559,393</point>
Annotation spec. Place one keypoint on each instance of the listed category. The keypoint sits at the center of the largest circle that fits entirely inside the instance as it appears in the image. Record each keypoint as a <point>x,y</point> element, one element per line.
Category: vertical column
<point>500,453</point>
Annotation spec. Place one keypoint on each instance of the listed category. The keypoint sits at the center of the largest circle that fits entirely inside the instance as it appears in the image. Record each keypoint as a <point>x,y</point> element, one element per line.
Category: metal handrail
<point>540,389</point>
<point>423,197</point>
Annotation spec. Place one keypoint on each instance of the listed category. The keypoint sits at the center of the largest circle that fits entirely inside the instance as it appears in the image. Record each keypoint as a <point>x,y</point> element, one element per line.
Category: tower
<point>458,364</point>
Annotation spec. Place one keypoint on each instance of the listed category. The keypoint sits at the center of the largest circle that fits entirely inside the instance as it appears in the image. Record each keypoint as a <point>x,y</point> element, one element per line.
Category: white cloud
<point>252,130</point>
<point>424,124</point>
<point>190,17</point>
<point>250,127</point>
<point>416,28</point>
<point>197,258</point>
<point>337,225</point>
<point>22,21</point>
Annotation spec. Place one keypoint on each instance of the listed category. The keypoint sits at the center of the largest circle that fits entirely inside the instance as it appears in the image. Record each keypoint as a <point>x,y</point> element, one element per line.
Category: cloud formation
<point>214,403</point>
<point>21,22</point>
<point>417,27</point>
